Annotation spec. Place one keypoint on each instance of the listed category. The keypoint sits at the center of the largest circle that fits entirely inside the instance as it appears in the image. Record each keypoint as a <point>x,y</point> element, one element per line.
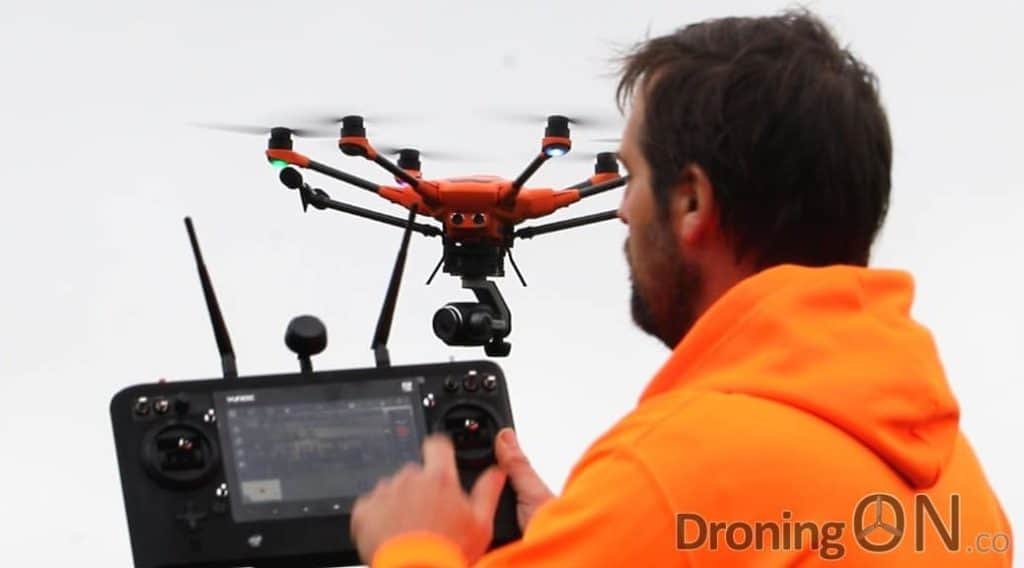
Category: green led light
<point>278,163</point>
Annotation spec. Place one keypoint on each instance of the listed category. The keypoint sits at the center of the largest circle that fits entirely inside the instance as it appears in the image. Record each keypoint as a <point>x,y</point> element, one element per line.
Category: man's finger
<point>439,455</point>
<point>528,485</point>
<point>355,521</point>
<point>486,492</point>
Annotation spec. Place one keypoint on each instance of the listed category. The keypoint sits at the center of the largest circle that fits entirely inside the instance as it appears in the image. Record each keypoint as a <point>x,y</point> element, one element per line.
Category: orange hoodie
<point>804,419</point>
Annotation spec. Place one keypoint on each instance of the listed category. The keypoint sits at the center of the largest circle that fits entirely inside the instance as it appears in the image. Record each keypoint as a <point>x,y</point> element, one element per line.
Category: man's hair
<point>786,124</point>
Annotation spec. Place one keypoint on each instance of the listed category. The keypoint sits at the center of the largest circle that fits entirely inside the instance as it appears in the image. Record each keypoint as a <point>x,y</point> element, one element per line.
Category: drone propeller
<point>265,130</point>
<point>334,120</point>
<point>585,156</point>
<point>583,120</point>
<point>429,155</point>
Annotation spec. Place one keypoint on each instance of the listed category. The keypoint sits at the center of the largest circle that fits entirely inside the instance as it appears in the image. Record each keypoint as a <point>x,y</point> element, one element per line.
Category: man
<point>803,417</point>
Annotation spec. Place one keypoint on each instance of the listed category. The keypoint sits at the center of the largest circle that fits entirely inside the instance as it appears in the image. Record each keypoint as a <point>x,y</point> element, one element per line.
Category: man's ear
<point>694,212</point>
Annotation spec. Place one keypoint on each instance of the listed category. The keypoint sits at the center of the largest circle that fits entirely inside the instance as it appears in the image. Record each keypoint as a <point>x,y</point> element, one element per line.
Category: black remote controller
<point>263,471</point>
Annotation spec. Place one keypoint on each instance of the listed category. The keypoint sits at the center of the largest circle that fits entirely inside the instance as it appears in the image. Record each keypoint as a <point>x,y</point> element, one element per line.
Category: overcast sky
<point>99,290</point>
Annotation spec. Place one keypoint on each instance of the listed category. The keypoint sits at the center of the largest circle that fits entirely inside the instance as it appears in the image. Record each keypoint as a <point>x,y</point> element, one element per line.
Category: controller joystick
<point>472,430</point>
<point>179,455</point>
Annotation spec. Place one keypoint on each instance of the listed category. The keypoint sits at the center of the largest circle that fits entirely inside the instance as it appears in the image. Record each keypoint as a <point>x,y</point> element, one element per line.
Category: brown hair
<point>787,125</point>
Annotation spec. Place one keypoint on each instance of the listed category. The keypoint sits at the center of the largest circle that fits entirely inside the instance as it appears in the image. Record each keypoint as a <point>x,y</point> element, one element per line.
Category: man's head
<point>750,142</point>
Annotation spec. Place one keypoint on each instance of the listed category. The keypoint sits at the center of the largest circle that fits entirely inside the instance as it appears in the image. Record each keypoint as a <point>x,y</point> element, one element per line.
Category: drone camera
<point>465,323</point>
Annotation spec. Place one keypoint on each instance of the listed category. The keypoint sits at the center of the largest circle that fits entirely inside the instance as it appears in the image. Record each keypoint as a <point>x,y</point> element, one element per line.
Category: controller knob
<point>306,335</point>
<point>161,405</point>
<point>142,406</point>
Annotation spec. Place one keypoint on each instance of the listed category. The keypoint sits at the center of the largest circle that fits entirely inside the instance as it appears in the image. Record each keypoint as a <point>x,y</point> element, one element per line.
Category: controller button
<point>450,384</point>
<point>490,382</point>
<point>191,517</point>
<point>142,406</point>
<point>181,405</point>
<point>471,382</point>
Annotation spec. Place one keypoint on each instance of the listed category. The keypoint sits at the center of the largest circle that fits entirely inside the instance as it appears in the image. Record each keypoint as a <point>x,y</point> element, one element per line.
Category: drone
<point>478,216</point>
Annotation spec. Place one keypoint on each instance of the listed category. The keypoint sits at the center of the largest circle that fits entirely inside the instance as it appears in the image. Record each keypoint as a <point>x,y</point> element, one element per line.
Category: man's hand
<point>531,492</point>
<point>429,498</point>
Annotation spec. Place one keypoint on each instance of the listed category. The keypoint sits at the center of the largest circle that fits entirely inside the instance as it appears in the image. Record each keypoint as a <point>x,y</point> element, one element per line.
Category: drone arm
<point>509,194</point>
<point>595,179</point>
<point>360,146</point>
<point>609,185</point>
<point>297,159</point>
<point>321,200</point>
<point>530,232</point>
<point>396,171</point>
<point>529,171</point>
<point>345,177</point>
<point>533,203</point>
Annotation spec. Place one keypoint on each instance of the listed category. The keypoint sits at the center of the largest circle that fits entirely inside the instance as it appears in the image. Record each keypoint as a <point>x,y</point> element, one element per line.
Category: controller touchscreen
<point>309,451</point>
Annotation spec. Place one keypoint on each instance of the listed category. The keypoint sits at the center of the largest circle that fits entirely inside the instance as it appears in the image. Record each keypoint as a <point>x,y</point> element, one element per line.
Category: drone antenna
<point>436,268</point>
<point>387,312</point>
<point>220,330</point>
<point>515,266</point>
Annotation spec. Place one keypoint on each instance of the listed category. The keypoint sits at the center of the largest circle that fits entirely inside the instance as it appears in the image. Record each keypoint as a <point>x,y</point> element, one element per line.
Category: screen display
<point>311,450</point>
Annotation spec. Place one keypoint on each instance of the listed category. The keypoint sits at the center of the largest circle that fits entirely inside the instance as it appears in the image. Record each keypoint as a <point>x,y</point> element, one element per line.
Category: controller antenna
<point>387,312</point>
<point>220,330</point>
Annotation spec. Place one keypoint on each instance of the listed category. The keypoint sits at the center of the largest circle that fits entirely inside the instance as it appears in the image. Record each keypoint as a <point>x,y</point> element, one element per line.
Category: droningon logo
<point>880,525</point>
<point>874,508</point>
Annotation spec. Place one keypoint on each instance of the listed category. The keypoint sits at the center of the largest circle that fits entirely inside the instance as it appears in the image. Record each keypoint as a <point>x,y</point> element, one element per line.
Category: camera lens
<point>464,323</point>
<point>447,322</point>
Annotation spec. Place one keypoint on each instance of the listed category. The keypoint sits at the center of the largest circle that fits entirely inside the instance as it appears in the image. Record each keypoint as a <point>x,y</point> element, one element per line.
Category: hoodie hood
<point>836,342</point>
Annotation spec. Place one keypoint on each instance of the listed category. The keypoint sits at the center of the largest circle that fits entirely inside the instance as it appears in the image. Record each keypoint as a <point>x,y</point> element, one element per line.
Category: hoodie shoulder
<point>709,448</point>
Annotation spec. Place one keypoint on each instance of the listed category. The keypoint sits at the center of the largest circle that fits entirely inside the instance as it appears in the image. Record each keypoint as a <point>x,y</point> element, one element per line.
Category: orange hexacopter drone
<point>478,215</point>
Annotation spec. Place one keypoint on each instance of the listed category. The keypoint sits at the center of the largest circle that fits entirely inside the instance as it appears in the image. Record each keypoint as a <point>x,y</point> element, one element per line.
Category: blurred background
<point>99,290</point>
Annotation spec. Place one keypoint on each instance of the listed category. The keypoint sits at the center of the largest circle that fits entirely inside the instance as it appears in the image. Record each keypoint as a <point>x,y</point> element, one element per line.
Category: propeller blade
<point>583,119</point>
<point>424,154</point>
<point>265,130</point>
<point>334,119</point>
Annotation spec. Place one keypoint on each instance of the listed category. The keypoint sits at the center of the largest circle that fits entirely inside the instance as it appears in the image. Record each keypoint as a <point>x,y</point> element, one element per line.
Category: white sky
<point>99,290</point>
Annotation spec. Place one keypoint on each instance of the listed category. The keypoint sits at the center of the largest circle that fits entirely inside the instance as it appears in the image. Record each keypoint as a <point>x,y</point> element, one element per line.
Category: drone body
<point>477,214</point>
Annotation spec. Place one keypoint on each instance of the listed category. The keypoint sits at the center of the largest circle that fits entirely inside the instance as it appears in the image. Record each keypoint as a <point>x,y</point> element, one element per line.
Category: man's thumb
<point>521,475</point>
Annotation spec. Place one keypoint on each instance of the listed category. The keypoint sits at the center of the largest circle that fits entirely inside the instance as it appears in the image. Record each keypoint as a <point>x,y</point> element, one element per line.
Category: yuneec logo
<point>237,398</point>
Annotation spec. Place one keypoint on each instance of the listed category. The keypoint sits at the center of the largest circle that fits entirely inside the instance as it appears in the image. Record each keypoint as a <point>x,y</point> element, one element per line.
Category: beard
<point>665,287</point>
